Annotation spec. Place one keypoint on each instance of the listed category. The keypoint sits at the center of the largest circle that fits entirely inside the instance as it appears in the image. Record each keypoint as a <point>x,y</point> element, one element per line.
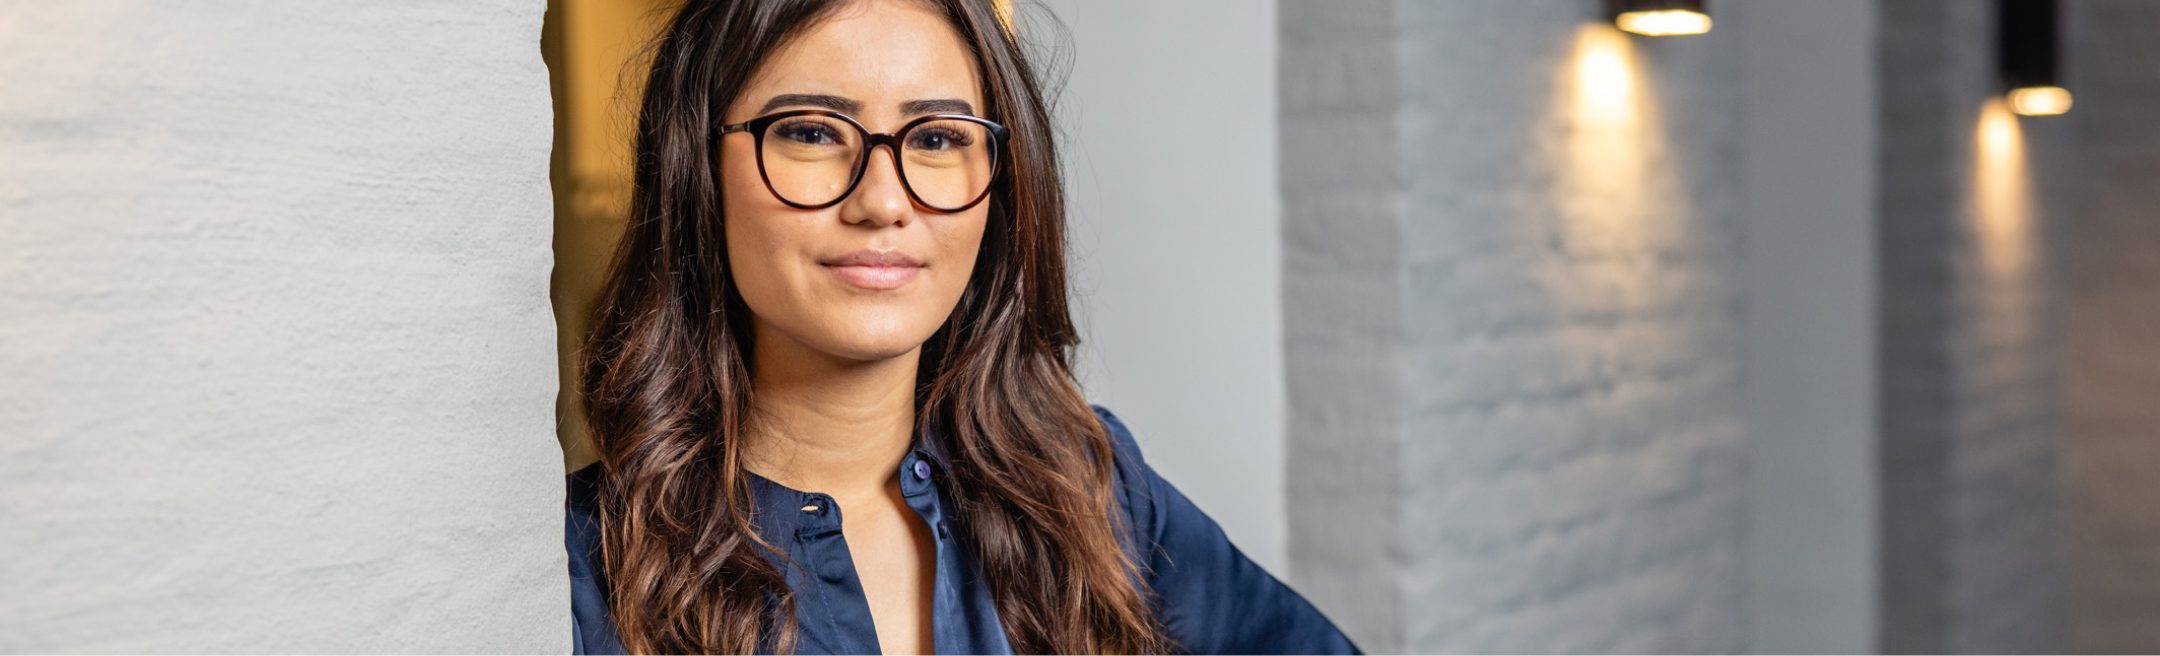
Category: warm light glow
<point>1610,144</point>
<point>1604,78</point>
<point>2039,101</point>
<point>1617,196</point>
<point>1664,22</point>
<point>2001,194</point>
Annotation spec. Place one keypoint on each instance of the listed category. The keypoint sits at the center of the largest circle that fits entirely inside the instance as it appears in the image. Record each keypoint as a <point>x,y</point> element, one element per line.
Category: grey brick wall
<point>1344,209</point>
<point>1511,291</point>
<point>2114,326</point>
<point>1971,412</point>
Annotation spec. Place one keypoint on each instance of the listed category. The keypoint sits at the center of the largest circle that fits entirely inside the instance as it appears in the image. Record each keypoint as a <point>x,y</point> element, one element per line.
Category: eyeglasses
<point>812,158</point>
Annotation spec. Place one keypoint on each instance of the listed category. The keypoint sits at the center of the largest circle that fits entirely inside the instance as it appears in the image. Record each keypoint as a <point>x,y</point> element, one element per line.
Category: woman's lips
<point>875,277</point>
<point>874,269</point>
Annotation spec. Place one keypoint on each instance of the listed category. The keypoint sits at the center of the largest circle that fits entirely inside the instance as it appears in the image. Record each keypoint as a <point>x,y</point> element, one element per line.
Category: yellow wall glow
<point>1616,196</point>
<point>1610,136</point>
<point>1604,83</point>
<point>594,53</point>
<point>2001,195</point>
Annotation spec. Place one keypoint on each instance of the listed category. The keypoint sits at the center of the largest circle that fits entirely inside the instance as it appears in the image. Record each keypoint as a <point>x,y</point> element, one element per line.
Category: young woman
<point>843,289</point>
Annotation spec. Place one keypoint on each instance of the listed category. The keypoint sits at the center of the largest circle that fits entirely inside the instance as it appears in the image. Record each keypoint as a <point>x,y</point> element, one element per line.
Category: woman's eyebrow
<point>851,106</point>
<point>834,103</point>
<point>938,106</point>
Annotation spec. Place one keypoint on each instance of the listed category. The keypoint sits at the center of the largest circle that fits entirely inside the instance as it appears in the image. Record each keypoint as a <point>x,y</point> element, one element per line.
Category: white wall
<point>276,364</point>
<point>1169,114</point>
<point>1808,168</point>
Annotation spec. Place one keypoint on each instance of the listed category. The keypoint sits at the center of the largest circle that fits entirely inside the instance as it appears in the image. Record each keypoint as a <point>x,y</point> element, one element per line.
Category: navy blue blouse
<point>1212,598</point>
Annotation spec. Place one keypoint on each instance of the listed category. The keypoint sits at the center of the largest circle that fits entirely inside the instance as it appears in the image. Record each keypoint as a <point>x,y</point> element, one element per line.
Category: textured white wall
<point>1513,330</point>
<point>1169,124</point>
<point>274,327</point>
<point>1343,304</point>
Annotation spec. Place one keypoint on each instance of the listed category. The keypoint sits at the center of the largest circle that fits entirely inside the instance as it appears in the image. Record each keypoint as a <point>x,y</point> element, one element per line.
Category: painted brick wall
<point>1345,205</point>
<point>1512,299</point>
<point>275,354</point>
<point>2114,325</point>
<point>1971,211</point>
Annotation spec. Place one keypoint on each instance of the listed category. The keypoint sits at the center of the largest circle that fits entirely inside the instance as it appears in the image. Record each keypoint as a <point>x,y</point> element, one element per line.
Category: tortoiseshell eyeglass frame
<point>871,140</point>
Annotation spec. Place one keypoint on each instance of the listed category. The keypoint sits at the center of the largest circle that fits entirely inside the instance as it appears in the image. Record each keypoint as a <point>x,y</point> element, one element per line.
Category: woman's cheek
<point>962,246</point>
<point>753,262</point>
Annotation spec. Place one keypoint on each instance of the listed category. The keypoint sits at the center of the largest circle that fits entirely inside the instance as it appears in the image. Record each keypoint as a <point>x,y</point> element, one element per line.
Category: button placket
<point>819,534</point>
<point>915,472</point>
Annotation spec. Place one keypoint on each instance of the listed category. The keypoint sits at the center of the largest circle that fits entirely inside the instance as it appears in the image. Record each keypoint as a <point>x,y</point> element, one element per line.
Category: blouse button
<point>922,470</point>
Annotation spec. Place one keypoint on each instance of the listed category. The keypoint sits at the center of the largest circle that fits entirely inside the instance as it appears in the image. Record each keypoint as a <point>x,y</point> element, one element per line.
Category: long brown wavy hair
<point>666,378</point>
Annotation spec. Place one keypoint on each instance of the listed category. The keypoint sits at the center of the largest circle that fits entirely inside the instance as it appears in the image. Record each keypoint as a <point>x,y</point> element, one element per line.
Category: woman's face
<point>873,276</point>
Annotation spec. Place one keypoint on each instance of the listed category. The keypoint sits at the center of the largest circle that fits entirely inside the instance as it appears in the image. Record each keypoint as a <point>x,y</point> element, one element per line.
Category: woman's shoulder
<point>591,629</point>
<point>1213,599</point>
<point>581,517</point>
<point>582,487</point>
<point>1134,482</point>
<point>581,523</point>
<point>1121,437</point>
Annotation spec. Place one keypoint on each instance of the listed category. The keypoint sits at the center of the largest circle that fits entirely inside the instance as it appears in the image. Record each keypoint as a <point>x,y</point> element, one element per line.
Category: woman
<point>843,288</point>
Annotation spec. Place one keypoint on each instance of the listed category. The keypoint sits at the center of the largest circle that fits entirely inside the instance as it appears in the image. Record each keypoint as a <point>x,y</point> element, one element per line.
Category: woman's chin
<point>872,340</point>
<point>876,352</point>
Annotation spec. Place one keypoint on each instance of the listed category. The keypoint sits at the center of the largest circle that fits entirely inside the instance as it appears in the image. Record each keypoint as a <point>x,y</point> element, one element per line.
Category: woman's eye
<point>938,139</point>
<point>810,133</point>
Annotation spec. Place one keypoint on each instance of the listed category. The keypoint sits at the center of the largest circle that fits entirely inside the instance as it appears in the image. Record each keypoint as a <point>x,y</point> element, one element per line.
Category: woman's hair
<point>666,377</point>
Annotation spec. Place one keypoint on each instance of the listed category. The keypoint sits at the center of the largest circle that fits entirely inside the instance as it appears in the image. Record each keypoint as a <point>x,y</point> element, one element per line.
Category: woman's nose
<point>881,199</point>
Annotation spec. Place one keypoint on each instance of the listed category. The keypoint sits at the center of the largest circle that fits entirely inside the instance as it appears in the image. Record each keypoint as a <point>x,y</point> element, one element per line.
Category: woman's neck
<point>827,424</point>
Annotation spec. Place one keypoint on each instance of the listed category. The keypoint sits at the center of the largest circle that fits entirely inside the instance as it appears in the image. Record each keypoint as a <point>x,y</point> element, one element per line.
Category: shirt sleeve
<point>591,630</point>
<point>1213,599</point>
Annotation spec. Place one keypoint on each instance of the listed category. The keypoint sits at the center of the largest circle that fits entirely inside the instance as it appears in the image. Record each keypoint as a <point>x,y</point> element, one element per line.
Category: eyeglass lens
<point>811,160</point>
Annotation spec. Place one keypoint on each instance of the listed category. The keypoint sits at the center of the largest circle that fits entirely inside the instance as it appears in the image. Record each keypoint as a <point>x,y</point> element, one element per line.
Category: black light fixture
<point>1660,17</point>
<point>2028,49</point>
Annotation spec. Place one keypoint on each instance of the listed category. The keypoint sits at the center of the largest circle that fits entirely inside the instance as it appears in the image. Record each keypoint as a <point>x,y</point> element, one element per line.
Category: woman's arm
<point>1214,600</point>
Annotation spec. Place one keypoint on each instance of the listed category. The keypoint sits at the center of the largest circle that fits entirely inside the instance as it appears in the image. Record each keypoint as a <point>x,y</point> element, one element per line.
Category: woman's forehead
<point>881,54</point>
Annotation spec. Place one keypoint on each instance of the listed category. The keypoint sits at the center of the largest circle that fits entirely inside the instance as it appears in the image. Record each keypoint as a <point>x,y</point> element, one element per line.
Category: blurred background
<point>1490,325</point>
<point>1767,326</point>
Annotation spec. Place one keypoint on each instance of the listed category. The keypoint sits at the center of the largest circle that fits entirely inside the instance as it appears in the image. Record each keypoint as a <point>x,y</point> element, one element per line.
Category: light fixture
<point>2027,48</point>
<point>1660,17</point>
<point>2039,101</point>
